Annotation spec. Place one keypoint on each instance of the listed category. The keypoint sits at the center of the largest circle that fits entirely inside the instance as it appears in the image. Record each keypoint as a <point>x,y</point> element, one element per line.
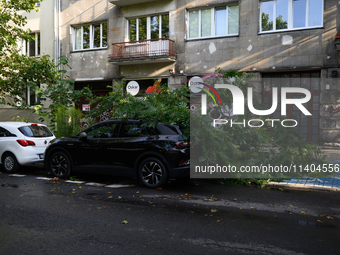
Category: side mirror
<point>82,136</point>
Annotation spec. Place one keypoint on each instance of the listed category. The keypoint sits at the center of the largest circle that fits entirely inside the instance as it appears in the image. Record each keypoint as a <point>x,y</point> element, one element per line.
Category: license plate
<point>41,156</point>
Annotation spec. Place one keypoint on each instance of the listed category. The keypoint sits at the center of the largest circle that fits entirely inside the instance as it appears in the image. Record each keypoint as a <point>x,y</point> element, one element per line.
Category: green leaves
<point>21,75</point>
<point>168,106</point>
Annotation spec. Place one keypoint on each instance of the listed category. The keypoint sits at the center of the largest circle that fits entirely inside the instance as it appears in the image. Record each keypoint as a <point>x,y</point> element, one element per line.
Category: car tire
<point>60,164</point>
<point>152,172</point>
<point>9,163</point>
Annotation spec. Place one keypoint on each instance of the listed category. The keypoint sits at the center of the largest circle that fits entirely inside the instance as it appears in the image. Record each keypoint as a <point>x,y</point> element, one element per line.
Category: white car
<point>22,143</point>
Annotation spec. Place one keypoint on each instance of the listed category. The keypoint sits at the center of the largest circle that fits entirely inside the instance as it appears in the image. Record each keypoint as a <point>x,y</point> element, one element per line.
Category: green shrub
<point>67,121</point>
<point>169,106</point>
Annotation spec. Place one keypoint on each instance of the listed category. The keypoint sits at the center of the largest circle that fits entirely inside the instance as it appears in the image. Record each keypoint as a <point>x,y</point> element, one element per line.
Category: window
<point>35,131</point>
<point>151,27</point>
<point>210,22</point>
<point>33,46</point>
<point>90,36</point>
<point>278,15</point>
<point>102,130</point>
<point>5,133</point>
<point>136,130</point>
<point>130,130</point>
<point>32,98</point>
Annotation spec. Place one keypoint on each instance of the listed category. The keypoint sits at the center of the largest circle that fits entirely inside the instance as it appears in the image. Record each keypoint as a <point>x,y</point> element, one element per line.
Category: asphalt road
<point>104,214</point>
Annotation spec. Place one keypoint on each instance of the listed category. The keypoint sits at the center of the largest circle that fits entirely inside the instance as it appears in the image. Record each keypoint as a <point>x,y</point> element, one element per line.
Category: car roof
<point>18,124</point>
<point>134,120</point>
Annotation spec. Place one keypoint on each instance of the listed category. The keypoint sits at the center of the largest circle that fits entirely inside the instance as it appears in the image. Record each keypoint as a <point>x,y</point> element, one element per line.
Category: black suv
<point>123,147</point>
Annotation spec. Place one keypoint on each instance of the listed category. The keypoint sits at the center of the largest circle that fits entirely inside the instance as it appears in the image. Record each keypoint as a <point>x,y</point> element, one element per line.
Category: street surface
<point>103,214</point>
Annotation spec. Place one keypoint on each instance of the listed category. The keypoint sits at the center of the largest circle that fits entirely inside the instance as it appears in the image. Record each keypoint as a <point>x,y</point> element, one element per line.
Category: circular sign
<point>196,84</point>
<point>132,87</point>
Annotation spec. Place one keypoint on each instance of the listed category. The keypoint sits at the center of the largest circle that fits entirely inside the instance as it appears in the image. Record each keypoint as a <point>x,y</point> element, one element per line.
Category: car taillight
<point>34,124</point>
<point>25,143</point>
<point>184,162</point>
<point>182,144</point>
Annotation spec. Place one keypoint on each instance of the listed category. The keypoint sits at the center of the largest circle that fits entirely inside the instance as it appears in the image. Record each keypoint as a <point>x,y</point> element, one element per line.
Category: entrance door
<point>308,126</point>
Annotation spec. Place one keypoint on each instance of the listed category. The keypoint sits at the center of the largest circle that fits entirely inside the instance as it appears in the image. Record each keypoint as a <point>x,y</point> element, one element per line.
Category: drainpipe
<point>55,30</point>
<point>59,29</point>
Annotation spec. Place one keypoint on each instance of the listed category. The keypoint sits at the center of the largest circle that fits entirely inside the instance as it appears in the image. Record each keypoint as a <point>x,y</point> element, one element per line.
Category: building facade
<point>282,42</point>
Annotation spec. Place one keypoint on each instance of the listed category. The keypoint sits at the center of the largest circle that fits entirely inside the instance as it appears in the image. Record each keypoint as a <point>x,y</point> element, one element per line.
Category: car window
<point>132,130</point>
<point>35,131</point>
<point>136,129</point>
<point>102,130</point>
<point>5,133</point>
<point>166,129</point>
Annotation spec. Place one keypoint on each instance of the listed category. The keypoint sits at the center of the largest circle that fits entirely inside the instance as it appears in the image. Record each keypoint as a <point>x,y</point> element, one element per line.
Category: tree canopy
<point>20,74</point>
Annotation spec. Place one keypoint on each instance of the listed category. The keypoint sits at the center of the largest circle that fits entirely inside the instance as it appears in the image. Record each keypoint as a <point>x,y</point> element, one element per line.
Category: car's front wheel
<point>60,164</point>
<point>152,172</point>
<point>9,163</point>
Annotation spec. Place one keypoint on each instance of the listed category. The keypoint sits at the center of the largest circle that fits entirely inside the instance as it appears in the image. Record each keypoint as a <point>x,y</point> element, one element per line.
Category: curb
<point>305,187</point>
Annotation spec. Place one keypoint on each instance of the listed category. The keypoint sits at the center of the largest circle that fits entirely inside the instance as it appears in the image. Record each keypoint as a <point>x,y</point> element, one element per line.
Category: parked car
<point>123,148</point>
<point>22,143</point>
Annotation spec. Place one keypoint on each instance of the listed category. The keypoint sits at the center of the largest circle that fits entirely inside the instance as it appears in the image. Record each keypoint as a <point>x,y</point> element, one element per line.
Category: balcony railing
<point>154,48</point>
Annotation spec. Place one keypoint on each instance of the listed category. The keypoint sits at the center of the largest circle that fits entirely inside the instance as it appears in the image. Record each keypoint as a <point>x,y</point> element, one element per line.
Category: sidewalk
<point>323,184</point>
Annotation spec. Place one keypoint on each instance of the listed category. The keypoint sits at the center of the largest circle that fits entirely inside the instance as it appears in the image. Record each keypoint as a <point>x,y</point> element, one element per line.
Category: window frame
<point>213,22</point>
<point>30,93</point>
<point>25,45</point>
<point>148,24</point>
<point>290,20</point>
<point>91,36</point>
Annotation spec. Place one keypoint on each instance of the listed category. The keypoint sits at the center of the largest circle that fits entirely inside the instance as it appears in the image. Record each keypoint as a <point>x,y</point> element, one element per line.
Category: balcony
<point>121,3</point>
<point>141,52</point>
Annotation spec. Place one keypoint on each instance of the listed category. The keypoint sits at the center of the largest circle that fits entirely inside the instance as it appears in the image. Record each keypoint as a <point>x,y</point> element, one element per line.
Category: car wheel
<point>152,172</point>
<point>60,165</point>
<point>9,163</point>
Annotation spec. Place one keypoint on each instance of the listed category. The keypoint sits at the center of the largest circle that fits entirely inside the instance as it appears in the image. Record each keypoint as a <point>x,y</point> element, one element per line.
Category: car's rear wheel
<point>9,163</point>
<point>60,164</point>
<point>152,172</point>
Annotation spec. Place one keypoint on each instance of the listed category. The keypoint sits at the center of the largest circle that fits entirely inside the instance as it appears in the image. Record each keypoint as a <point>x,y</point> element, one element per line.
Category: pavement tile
<point>301,181</point>
<point>330,184</point>
<point>293,181</point>
<point>310,182</point>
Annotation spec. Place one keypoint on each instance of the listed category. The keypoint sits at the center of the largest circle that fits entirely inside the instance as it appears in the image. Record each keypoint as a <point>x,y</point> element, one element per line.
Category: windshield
<point>35,131</point>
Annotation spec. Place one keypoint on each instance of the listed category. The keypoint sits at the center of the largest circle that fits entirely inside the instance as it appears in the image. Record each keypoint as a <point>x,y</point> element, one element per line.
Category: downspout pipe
<point>59,28</point>
<point>55,31</point>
